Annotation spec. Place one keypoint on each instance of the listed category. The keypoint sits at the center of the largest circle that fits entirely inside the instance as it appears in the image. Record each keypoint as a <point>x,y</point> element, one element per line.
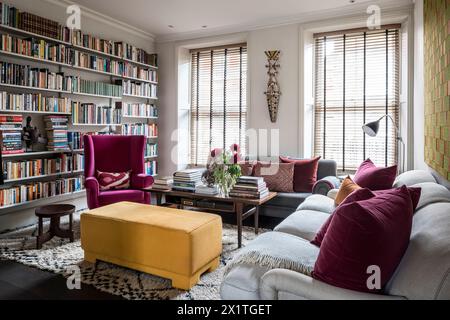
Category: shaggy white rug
<point>58,255</point>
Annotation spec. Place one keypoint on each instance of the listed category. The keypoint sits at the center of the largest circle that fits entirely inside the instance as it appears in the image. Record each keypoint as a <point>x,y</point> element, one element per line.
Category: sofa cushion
<point>110,197</point>
<point>242,282</point>
<point>347,188</point>
<point>303,224</point>
<point>318,202</point>
<point>432,193</point>
<point>113,181</point>
<point>413,177</point>
<point>366,233</point>
<point>424,272</point>
<point>279,176</point>
<point>358,195</point>
<point>290,200</point>
<point>305,173</point>
<point>373,177</point>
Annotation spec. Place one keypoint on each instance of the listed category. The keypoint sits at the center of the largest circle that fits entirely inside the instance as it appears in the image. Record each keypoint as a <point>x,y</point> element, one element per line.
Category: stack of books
<point>250,187</point>
<point>202,189</point>
<point>56,127</point>
<point>11,130</point>
<point>163,184</point>
<point>187,180</point>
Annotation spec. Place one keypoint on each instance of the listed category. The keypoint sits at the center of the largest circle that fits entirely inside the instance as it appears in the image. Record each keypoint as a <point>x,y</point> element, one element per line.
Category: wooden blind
<point>219,104</point>
<point>356,81</point>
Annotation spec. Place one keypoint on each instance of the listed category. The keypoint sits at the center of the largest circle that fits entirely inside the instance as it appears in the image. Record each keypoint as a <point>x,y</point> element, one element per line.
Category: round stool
<point>54,213</point>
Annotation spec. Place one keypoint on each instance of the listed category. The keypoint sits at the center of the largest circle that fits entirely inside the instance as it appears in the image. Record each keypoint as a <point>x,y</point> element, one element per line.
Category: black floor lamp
<point>372,128</point>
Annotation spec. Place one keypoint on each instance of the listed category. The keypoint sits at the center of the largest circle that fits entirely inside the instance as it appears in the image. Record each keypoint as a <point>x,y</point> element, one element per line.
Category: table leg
<point>239,213</point>
<point>71,227</point>
<point>40,233</point>
<point>257,220</point>
<point>159,199</point>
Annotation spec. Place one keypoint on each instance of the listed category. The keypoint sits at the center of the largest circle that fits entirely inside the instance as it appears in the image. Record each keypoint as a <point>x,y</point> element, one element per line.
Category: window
<point>356,81</point>
<point>219,104</point>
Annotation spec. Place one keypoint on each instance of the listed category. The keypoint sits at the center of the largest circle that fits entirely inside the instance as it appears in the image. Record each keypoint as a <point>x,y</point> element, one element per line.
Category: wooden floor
<point>19,282</point>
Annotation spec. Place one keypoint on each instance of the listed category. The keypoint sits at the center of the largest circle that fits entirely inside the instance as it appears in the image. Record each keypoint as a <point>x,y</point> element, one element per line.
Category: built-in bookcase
<point>47,72</point>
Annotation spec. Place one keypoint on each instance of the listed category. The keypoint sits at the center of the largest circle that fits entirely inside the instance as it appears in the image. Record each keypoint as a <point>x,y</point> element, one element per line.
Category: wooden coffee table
<point>243,208</point>
<point>54,213</point>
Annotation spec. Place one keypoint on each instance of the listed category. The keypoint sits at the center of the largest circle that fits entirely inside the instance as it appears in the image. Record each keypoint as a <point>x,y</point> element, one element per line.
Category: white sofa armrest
<point>333,193</point>
<point>282,282</point>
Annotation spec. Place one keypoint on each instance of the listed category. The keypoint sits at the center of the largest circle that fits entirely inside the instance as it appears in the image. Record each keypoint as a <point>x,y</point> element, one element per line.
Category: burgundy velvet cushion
<point>375,178</point>
<point>358,195</point>
<point>305,173</point>
<point>373,232</point>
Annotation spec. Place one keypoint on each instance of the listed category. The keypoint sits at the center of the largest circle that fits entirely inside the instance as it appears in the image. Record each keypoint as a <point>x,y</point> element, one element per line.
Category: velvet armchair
<point>115,154</point>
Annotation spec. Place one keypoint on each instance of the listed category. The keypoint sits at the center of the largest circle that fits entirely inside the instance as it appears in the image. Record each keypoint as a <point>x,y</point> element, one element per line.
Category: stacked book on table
<point>187,180</point>
<point>56,127</point>
<point>11,131</point>
<point>163,184</point>
<point>250,188</point>
<point>209,191</point>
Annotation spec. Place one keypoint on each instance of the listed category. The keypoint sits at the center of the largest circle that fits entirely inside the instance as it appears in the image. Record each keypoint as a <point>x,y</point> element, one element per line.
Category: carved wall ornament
<point>273,92</point>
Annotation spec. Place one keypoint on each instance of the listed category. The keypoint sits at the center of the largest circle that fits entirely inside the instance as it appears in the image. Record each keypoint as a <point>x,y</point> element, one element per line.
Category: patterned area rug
<point>58,255</point>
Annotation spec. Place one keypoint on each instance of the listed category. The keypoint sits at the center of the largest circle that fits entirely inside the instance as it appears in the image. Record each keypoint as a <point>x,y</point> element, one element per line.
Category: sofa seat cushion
<point>271,250</point>
<point>303,224</point>
<point>290,200</point>
<point>318,202</point>
<point>413,177</point>
<point>110,197</point>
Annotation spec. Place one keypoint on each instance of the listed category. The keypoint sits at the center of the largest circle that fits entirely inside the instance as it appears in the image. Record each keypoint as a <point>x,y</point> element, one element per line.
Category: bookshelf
<point>132,70</point>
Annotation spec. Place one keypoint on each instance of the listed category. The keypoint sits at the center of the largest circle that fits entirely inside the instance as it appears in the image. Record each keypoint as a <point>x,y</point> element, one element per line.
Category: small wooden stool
<point>54,213</point>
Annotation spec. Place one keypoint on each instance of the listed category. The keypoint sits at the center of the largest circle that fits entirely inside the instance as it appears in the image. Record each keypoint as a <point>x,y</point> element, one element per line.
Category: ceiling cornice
<point>356,9</point>
<point>87,12</point>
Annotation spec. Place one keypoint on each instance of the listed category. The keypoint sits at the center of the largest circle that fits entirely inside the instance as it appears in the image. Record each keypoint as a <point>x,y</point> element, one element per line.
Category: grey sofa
<point>286,203</point>
<point>424,272</point>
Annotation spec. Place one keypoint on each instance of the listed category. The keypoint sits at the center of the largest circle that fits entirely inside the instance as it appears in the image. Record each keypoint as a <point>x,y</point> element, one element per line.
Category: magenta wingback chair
<point>115,154</point>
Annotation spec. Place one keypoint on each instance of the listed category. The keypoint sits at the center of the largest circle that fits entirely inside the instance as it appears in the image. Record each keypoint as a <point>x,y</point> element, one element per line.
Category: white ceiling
<point>188,16</point>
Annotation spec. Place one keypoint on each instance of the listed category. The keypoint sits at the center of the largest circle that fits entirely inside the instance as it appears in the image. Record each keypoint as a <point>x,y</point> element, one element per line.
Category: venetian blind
<point>219,104</point>
<point>356,81</point>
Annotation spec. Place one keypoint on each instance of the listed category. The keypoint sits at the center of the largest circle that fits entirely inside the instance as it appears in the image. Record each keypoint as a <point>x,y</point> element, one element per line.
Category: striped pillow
<point>113,181</point>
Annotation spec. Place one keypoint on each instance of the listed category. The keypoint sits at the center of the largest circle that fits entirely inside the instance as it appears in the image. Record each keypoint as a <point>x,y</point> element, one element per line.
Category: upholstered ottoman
<point>175,244</point>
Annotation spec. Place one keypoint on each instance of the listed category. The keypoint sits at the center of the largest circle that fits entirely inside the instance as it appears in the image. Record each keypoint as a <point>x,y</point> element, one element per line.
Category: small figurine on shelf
<point>32,138</point>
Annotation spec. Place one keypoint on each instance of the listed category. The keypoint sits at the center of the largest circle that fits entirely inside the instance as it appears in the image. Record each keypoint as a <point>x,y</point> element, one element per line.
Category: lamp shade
<point>371,128</point>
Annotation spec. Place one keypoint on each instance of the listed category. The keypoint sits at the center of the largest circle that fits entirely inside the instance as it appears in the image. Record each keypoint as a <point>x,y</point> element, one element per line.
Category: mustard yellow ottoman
<point>176,244</point>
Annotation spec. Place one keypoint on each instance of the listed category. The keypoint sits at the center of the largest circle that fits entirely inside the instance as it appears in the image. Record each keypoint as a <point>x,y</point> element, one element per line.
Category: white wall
<point>95,24</point>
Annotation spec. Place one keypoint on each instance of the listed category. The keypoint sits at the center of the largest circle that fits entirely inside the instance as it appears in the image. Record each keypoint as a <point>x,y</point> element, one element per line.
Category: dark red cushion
<point>358,195</point>
<point>375,178</point>
<point>305,173</point>
<point>373,232</point>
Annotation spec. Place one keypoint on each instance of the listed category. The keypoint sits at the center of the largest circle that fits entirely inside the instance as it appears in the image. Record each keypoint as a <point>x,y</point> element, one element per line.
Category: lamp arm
<point>399,137</point>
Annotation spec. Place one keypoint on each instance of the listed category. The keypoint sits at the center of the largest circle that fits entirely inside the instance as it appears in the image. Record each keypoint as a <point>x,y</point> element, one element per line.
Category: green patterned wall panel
<point>437,85</point>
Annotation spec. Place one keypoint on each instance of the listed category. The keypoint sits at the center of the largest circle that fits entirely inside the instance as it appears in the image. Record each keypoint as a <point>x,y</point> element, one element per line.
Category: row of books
<point>139,89</point>
<point>36,48</point>
<point>39,190</point>
<point>25,75</point>
<point>250,187</point>
<point>90,113</point>
<point>40,167</point>
<point>97,88</point>
<point>60,53</point>
<point>187,180</point>
<point>150,167</point>
<point>138,109</point>
<point>164,184</point>
<point>140,129</point>
<point>15,18</point>
<point>56,127</point>
<point>33,102</point>
<point>11,131</point>
<point>151,149</point>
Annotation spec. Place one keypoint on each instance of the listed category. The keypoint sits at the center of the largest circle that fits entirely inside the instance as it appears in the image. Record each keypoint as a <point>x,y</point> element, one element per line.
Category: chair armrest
<point>141,181</point>
<point>92,191</point>
<point>326,184</point>
<point>299,286</point>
